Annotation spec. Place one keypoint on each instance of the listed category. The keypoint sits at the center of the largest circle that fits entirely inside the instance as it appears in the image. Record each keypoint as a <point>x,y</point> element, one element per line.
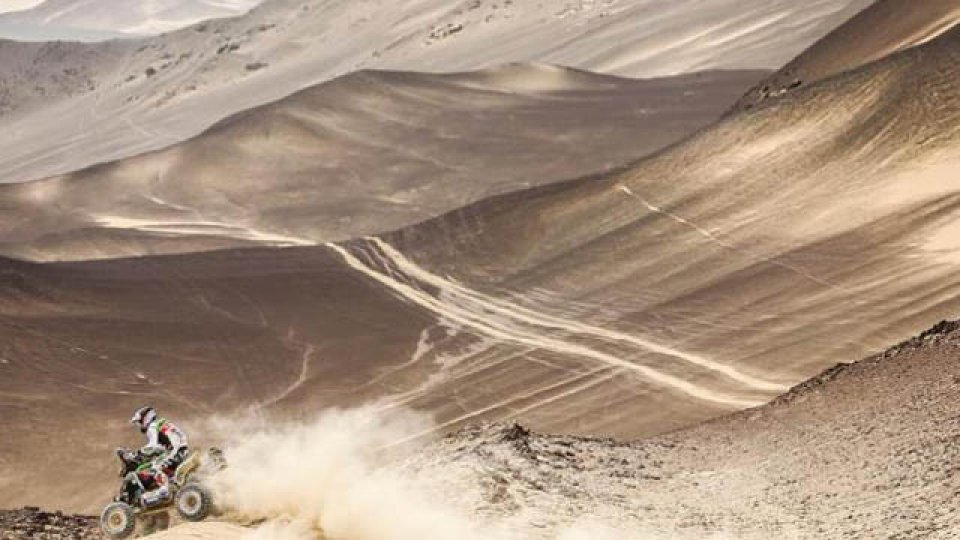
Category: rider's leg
<point>132,488</point>
<point>163,481</point>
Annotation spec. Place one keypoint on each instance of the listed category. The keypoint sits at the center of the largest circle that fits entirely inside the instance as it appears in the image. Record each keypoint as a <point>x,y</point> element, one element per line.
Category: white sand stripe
<point>493,324</point>
<point>520,313</point>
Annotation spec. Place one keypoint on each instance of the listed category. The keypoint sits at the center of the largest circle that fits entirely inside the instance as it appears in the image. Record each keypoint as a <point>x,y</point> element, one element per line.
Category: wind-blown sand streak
<point>521,328</point>
<point>537,318</point>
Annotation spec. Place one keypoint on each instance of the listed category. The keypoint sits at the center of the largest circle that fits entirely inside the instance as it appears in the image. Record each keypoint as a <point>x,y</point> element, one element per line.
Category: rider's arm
<point>153,446</point>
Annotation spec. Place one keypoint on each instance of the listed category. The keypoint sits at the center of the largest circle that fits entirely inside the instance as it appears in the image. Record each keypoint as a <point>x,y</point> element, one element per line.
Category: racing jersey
<point>164,437</point>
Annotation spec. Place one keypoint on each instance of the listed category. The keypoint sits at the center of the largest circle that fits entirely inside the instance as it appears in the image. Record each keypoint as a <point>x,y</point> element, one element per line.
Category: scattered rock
<point>34,524</point>
<point>445,31</point>
<point>229,47</point>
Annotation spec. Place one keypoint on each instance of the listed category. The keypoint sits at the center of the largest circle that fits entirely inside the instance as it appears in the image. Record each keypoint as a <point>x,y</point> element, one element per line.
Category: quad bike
<point>186,493</point>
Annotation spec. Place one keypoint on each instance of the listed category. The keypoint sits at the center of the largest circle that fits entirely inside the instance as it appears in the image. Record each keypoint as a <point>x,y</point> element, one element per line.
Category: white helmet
<point>143,417</point>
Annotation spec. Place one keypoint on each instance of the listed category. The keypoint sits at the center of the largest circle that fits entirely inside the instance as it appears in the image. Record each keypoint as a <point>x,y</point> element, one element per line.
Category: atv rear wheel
<point>194,502</point>
<point>118,521</point>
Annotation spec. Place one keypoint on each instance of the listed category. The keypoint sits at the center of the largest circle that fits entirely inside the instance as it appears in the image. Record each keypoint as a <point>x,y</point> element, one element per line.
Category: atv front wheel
<point>118,521</point>
<point>194,502</point>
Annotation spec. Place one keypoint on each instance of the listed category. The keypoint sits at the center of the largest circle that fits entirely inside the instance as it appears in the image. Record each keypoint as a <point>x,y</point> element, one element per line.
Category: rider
<point>166,447</point>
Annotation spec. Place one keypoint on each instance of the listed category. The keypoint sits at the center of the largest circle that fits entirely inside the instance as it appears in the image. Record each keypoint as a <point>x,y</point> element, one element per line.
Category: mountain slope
<point>69,106</point>
<point>811,230</point>
<point>857,42</point>
<point>367,153</point>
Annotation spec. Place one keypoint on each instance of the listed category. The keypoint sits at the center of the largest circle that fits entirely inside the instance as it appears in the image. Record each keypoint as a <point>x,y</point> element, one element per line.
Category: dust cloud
<point>341,476</point>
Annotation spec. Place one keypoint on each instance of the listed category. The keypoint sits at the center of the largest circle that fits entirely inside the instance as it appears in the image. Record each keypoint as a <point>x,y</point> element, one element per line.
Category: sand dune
<point>68,106</point>
<point>361,155</point>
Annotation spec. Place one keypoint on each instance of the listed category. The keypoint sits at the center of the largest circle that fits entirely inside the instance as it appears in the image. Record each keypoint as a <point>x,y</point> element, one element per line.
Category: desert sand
<point>884,465</point>
<point>686,294</point>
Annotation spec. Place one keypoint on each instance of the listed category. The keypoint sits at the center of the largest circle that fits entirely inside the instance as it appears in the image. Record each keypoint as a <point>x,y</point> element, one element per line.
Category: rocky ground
<point>865,450</point>
<point>33,523</point>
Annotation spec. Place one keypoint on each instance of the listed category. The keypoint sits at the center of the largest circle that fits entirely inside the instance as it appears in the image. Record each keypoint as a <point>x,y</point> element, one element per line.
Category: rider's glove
<point>149,452</point>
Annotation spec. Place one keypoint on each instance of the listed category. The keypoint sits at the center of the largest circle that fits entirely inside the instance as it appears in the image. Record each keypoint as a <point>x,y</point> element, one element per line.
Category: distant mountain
<point>7,6</point>
<point>120,98</point>
<point>64,18</point>
<point>20,31</point>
